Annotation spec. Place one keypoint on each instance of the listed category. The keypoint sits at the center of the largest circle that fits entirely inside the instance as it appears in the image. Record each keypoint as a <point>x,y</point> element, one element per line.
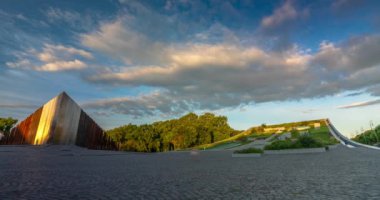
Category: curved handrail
<point>344,140</point>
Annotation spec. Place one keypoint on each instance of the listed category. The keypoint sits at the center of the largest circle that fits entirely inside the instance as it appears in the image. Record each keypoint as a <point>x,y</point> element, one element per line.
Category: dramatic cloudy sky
<point>256,61</point>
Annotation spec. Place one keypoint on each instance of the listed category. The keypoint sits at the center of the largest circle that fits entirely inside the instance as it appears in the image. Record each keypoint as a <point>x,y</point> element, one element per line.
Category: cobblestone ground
<point>72,173</point>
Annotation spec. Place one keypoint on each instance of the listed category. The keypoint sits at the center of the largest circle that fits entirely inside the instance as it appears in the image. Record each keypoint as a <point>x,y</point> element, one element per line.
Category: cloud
<point>354,54</point>
<point>228,74</point>
<point>50,52</point>
<point>199,61</point>
<point>16,33</point>
<point>21,63</point>
<point>346,5</point>
<point>374,90</point>
<point>124,1</point>
<point>17,106</point>
<point>309,111</point>
<point>211,68</point>
<point>144,105</point>
<point>360,104</point>
<point>62,66</point>
<point>192,61</point>
<point>117,40</point>
<point>52,58</point>
<point>212,76</point>
<point>353,94</point>
<point>283,14</point>
<point>79,21</point>
<point>275,30</point>
<point>218,69</point>
<point>58,14</point>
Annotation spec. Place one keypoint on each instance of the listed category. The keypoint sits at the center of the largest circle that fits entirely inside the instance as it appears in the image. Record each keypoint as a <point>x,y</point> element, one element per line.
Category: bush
<point>295,133</point>
<point>368,137</point>
<point>304,141</point>
<point>279,144</point>
<point>249,150</point>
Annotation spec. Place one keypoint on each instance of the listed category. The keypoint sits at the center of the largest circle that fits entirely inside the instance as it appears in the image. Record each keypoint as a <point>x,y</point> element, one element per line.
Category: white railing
<point>344,140</point>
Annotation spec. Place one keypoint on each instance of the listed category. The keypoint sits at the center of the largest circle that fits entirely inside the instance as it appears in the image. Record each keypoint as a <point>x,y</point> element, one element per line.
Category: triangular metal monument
<point>60,121</point>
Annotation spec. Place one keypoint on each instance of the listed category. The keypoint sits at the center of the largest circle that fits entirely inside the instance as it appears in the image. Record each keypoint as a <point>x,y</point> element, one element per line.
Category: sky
<point>254,61</point>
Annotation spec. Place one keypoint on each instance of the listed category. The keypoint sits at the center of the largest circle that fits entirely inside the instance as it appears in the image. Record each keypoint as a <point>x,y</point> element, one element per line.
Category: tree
<point>188,131</point>
<point>6,124</point>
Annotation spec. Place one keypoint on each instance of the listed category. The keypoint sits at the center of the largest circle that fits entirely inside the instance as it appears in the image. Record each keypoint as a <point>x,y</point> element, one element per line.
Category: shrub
<point>295,133</point>
<point>249,150</point>
<point>279,144</point>
<point>304,141</point>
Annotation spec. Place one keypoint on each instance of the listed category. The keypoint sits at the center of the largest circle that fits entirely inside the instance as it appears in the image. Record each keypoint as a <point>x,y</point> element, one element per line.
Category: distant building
<point>302,128</point>
<point>317,125</point>
<point>274,130</point>
<point>60,121</point>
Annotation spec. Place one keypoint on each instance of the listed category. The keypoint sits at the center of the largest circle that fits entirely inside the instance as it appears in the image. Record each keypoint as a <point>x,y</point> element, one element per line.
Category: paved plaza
<point>59,172</point>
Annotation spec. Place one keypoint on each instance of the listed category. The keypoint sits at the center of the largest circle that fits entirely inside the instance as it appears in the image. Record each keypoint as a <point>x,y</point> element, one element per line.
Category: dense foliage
<point>304,141</point>
<point>188,131</point>
<point>370,137</point>
<point>6,124</point>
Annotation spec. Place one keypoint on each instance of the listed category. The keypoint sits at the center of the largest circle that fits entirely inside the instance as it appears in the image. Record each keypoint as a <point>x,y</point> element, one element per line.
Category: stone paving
<point>56,172</point>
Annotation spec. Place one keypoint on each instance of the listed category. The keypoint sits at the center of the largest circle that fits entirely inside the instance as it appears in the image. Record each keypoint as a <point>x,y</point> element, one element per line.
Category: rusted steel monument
<point>60,121</point>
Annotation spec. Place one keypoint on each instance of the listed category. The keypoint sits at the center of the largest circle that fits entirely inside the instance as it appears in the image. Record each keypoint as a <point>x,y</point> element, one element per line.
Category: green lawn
<point>323,135</point>
<point>319,137</point>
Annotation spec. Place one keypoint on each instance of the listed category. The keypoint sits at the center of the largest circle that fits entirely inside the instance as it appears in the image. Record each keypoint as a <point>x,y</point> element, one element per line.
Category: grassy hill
<point>208,131</point>
<point>320,134</point>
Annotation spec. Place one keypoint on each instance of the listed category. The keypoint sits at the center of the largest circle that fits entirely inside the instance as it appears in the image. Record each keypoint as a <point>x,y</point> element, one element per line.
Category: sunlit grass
<point>225,141</point>
<point>323,135</point>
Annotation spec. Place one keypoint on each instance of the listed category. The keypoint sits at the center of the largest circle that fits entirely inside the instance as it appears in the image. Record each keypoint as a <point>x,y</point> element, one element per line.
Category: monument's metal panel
<point>67,120</point>
<point>25,132</point>
<point>97,139</point>
<point>47,122</point>
<point>33,125</point>
<point>60,121</point>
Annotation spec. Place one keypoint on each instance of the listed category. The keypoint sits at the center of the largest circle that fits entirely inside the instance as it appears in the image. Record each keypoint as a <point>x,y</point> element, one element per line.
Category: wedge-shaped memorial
<point>60,121</point>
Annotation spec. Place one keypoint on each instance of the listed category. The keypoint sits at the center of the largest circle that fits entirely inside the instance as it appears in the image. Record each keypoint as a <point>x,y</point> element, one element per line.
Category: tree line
<point>185,132</point>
